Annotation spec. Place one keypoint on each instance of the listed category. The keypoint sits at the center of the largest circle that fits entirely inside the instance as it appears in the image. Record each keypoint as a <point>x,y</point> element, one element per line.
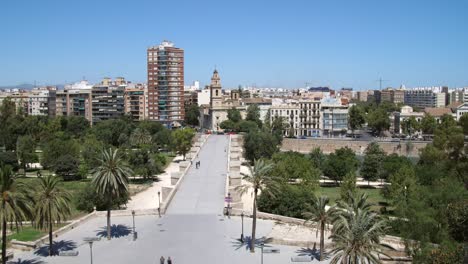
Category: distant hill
<point>28,86</point>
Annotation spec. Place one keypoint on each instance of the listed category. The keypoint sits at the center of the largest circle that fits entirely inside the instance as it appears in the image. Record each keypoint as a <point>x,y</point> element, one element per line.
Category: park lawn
<point>374,195</point>
<point>27,233</point>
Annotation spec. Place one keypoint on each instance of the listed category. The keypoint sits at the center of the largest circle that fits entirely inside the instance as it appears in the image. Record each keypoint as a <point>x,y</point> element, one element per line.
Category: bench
<point>68,253</point>
<point>301,259</point>
<point>271,250</point>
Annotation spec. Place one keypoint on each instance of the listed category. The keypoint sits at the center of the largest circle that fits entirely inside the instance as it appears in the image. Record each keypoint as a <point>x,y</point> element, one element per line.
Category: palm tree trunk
<point>108,222</point>
<point>4,239</point>
<point>50,235</point>
<point>254,222</point>
<point>322,239</point>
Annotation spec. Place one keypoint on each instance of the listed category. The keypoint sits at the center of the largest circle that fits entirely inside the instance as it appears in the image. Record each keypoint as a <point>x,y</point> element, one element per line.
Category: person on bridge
<point>169,260</point>
<point>161,260</point>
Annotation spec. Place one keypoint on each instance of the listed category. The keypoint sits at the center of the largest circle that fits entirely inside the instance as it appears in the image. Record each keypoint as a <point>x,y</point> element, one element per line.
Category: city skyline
<point>323,44</point>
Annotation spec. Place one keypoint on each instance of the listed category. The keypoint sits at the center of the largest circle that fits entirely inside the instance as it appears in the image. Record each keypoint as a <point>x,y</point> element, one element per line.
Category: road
<point>193,231</point>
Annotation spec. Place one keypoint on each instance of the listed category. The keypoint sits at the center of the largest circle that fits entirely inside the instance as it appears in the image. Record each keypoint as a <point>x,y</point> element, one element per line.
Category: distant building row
<point>106,100</point>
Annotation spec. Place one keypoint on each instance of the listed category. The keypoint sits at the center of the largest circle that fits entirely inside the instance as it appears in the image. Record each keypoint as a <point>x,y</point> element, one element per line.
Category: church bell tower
<point>215,90</point>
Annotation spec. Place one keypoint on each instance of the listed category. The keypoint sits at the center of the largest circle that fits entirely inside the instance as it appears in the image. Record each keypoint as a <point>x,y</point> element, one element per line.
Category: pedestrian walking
<point>162,260</point>
<point>169,260</point>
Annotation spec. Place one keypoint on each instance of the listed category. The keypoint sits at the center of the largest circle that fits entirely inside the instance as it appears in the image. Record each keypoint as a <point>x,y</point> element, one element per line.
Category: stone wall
<point>330,145</point>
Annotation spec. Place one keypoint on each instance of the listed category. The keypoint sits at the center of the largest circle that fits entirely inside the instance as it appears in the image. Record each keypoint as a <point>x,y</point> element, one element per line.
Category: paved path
<point>193,231</point>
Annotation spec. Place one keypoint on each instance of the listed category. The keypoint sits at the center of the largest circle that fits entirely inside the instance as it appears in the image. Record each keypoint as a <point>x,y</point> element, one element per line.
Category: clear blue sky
<point>267,43</point>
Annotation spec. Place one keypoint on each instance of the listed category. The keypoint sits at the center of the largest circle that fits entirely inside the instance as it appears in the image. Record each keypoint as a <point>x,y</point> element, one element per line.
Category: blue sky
<point>263,43</point>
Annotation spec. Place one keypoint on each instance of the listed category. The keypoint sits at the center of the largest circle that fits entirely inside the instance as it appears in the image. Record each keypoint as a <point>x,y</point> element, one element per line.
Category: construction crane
<point>380,82</point>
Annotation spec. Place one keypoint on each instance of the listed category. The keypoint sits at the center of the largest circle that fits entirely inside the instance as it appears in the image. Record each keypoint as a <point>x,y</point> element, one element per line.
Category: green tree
<point>410,126</point>
<point>182,140</point>
<point>151,126</point>
<point>52,205</point>
<point>67,167</point>
<point>457,220</point>
<point>371,168</point>
<point>26,150</point>
<point>392,163</point>
<point>163,138</point>
<point>317,159</point>
<point>278,126</point>
<point>259,178</point>
<point>144,164</point>
<point>340,163</point>
<point>402,185</point>
<point>15,206</point>
<point>9,158</point>
<point>110,180</point>
<point>428,124</point>
<point>463,122</point>
<point>140,137</point>
<point>348,187</point>
<point>356,118</point>
<point>246,126</point>
<point>307,175</point>
<point>317,213</point>
<point>109,131</point>
<point>288,200</point>
<point>357,232</point>
<point>259,144</point>
<point>57,148</point>
<point>229,125</point>
<point>378,120</point>
<point>76,126</point>
<point>234,115</point>
<point>192,114</point>
<point>253,114</point>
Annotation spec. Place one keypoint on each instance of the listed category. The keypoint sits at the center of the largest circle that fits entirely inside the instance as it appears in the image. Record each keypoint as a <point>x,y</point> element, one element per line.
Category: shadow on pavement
<point>57,246</point>
<point>116,231</point>
<point>312,252</point>
<point>27,261</point>
<point>237,243</point>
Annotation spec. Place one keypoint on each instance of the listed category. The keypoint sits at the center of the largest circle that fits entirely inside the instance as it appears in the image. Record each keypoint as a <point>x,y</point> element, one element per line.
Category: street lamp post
<point>159,204</point>
<point>229,205</point>
<point>91,250</point>
<point>261,246</point>
<point>242,220</point>
<point>133,214</point>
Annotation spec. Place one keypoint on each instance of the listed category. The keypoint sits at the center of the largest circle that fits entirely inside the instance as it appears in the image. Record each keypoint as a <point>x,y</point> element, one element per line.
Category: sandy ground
<point>148,199</point>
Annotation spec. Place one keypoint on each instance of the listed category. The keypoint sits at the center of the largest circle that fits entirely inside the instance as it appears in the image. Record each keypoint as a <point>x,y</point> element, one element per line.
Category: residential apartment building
<point>108,100</point>
<point>41,101</point>
<point>19,97</point>
<point>424,97</point>
<point>396,96</point>
<point>136,101</point>
<point>334,117</point>
<point>166,83</point>
<point>313,117</point>
<point>74,100</point>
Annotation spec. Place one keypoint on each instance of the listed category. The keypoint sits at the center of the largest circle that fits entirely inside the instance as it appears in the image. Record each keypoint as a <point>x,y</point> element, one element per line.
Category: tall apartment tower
<point>166,83</point>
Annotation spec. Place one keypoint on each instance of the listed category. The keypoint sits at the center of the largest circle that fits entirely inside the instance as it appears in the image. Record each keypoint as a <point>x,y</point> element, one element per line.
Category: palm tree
<point>357,232</point>
<point>110,180</point>
<point>318,213</point>
<point>259,180</point>
<point>52,205</point>
<point>140,137</point>
<point>15,205</point>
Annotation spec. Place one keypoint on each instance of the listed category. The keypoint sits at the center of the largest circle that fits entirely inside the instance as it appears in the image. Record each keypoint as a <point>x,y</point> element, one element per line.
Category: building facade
<point>136,103</point>
<point>166,83</point>
<point>424,98</point>
<point>108,100</point>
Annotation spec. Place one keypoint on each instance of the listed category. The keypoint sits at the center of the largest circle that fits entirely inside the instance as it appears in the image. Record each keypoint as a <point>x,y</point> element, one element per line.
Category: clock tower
<point>216,97</point>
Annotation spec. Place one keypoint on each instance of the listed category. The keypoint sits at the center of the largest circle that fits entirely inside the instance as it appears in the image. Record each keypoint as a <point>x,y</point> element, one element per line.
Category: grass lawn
<point>27,233</point>
<point>374,195</point>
